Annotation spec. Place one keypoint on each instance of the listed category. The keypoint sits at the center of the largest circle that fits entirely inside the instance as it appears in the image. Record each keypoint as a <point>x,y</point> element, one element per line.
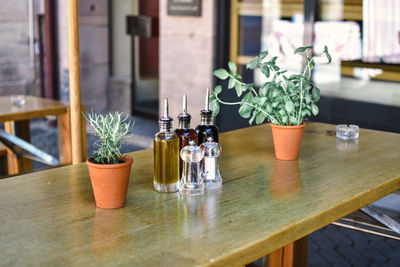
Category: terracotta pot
<point>287,140</point>
<point>110,182</point>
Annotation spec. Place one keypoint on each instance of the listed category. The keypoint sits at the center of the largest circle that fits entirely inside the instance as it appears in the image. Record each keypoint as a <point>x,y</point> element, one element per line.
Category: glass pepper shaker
<point>210,164</point>
<point>192,180</point>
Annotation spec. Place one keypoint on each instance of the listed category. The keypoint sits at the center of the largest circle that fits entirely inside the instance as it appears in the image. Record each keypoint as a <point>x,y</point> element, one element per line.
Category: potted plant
<point>109,169</point>
<point>284,101</point>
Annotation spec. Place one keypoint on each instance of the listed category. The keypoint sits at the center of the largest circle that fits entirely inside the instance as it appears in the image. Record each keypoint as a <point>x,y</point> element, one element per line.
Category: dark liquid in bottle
<point>185,136</point>
<point>205,131</point>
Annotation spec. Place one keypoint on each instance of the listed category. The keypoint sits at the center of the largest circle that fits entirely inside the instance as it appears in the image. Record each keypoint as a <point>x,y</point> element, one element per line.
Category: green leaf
<point>232,67</point>
<point>275,104</point>
<point>293,120</point>
<point>263,54</point>
<point>265,70</point>
<point>245,110</point>
<point>316,94</point>
<point>239,89</point>
<point>260,118</point>
<point>231,83</point>
<point>263,90</point>
<point>284,119</point>
<point>328,56</point>
<point>214,106</point>
<point>289,106</point>
<point>269,108</point>
<point>261,100</point>
<point>217,90</point>
<point>221,74</point>
<point>248,98</point>
<point>302,49</point>
<point>307,99</point>
<point>299,50</point>
<point>275,93</point>
<point>314,109</point>
<point>253,117</point>
<point>252,64</point>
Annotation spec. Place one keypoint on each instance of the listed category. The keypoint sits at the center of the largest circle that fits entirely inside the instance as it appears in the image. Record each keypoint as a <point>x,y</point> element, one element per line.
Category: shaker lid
<point>191,152</point>
<point>211,148</point>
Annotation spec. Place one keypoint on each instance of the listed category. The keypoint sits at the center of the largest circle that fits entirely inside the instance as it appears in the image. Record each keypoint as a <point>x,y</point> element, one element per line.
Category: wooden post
<point>74,81</point>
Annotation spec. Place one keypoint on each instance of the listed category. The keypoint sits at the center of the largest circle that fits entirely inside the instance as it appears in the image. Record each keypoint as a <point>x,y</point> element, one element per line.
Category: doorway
<point>134,59</point>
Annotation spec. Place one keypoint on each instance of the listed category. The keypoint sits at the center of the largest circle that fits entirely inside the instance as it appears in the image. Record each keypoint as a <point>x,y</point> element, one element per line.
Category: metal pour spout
<point>207,98</point>
<point>184,104</point>
<point>166,108</point>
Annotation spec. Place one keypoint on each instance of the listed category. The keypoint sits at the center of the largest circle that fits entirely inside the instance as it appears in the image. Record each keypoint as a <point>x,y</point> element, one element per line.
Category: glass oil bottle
<point>192,175</point>
<point>166,155</point>
<point>206,128</point>
<point>184,132</point>
<point>210,165</point>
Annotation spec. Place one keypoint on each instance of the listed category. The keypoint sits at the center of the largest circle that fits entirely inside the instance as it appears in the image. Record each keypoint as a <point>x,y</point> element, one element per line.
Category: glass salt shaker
<point>192,180</point>
<point>210,164</point>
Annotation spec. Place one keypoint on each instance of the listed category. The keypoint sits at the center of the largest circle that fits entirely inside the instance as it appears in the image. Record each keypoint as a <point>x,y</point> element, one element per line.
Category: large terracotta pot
<point>287,140</point>
<point>110,182</point>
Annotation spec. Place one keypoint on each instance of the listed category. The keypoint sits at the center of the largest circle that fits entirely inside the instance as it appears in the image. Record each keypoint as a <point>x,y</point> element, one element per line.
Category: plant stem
<point>228,103</point>
<point>301,99</point>
<point>246,103</point>
<point>242,83</point>
<point>278,117</point>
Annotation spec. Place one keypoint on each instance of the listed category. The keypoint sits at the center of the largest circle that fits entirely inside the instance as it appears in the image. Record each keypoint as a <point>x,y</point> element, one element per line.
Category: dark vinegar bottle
<point>184,132</point>
<point>206,128</point>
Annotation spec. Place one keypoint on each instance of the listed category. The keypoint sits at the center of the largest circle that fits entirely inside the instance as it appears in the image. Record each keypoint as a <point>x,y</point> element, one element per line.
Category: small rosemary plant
<point>281,100</point>
<point>112,129</point>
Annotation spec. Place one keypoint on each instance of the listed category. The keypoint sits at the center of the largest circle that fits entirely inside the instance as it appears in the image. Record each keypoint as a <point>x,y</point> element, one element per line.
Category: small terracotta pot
<point>287,140</point>
<point>110,182</point>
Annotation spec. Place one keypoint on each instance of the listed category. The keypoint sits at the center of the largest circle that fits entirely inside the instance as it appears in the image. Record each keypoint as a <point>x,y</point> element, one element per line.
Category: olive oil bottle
<point>206,128</point>
<point>166,155</point>
<point>184,132</point>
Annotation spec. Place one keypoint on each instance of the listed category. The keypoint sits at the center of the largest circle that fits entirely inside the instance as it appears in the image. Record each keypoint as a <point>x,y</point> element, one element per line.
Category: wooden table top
<point>50,218</point>
<point>34,107</point>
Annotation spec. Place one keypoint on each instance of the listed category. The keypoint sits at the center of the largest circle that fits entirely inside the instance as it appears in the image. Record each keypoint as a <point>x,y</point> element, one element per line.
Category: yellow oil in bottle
<point>166,162</point>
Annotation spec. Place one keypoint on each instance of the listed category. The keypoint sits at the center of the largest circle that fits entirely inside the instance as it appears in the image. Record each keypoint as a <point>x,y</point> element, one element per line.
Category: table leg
<point>293,254</point>
<point>64,138</point>
<point>21,129</point>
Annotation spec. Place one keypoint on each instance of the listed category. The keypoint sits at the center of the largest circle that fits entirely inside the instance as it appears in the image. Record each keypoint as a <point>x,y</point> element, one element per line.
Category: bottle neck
<point>183,124</point>
<point>206,117</point>
<point>165,125</point>
<point>206,120</point>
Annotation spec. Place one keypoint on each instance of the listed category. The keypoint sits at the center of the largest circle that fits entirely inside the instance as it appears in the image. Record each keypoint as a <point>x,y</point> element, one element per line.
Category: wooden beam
<point>74,81</point>
<point>234,44</point>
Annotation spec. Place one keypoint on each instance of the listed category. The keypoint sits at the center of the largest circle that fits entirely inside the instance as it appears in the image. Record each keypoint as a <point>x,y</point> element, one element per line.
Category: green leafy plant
<point>112,130</point>
<point>281,100</point>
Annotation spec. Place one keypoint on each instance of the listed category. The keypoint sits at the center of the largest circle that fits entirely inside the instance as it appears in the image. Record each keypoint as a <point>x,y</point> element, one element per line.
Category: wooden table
<point>16,121</point>
<point>49,217</point>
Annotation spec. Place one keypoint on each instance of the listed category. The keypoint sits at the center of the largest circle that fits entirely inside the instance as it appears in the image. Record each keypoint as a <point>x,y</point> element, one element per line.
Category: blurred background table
<point>16,121</point>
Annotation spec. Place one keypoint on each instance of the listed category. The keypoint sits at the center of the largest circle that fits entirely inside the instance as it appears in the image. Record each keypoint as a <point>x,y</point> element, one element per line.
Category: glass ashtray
<point>17,100</point>
<point>347,132</point>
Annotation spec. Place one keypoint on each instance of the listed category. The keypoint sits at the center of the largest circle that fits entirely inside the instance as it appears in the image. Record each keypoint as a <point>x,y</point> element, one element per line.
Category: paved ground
<point>330,246</point>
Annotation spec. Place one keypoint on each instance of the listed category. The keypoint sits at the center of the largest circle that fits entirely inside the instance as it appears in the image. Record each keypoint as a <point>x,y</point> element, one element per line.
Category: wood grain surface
<point>34,107</point>
<point>50,218</point>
